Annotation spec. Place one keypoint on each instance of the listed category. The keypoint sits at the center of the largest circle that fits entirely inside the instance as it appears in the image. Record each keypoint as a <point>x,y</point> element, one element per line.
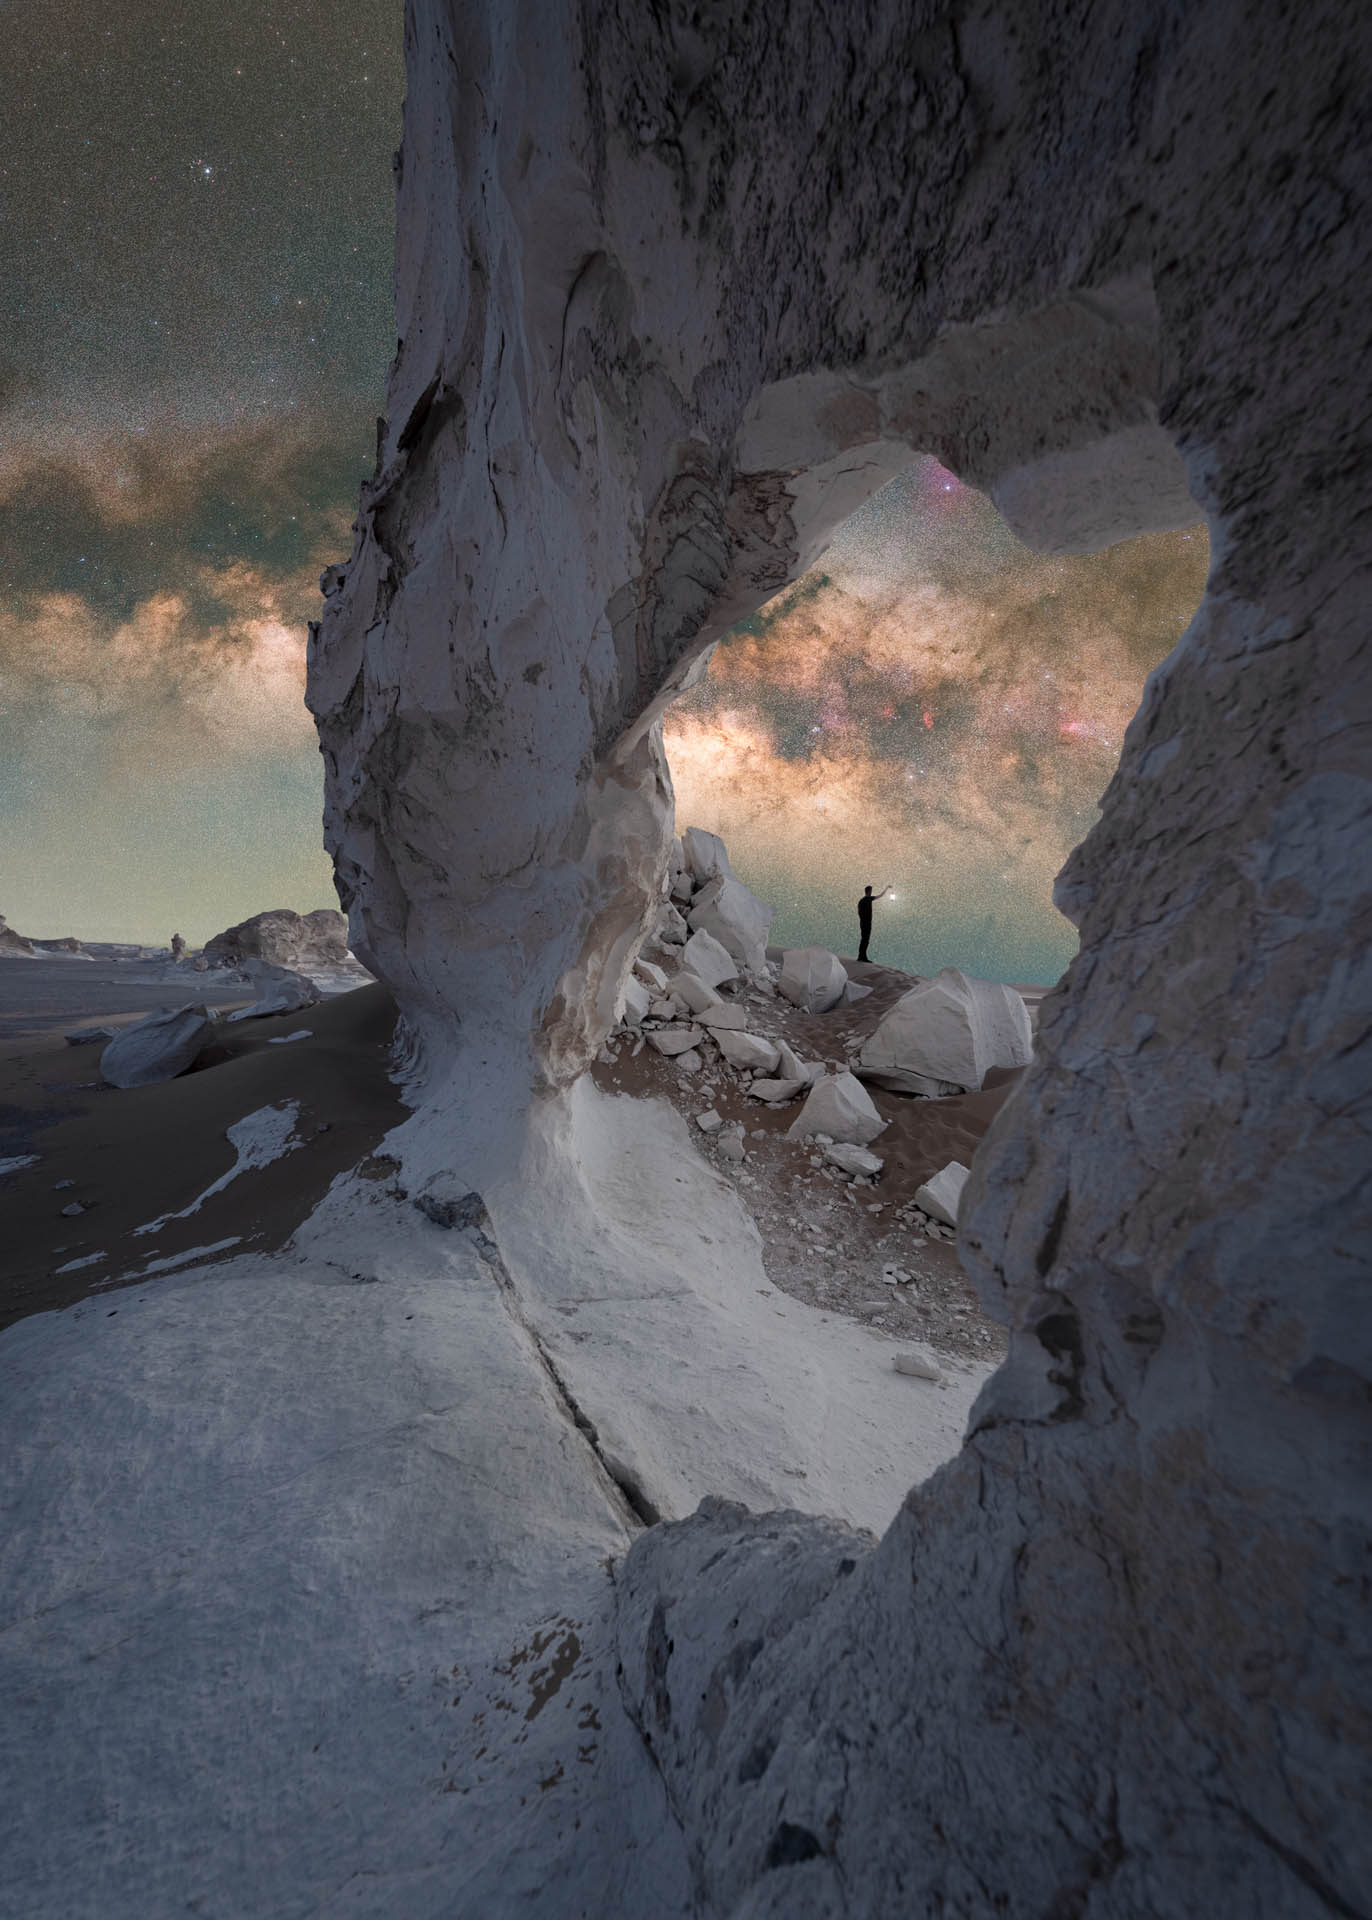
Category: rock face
<point>158,1048</point>
<point>284,939</point>
<point>946,1034</point>
<point>677,290</point>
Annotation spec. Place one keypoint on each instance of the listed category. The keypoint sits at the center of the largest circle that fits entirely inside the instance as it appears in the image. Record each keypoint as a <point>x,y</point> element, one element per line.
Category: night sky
<point>197,218</point>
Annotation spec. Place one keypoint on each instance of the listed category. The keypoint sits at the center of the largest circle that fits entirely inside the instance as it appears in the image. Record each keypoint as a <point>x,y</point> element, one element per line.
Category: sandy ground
<point>135,1154</point>
<point>825,1240</point>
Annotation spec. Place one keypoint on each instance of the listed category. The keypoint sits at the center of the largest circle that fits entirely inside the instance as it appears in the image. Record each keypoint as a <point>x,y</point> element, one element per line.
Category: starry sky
<point>197,213</point>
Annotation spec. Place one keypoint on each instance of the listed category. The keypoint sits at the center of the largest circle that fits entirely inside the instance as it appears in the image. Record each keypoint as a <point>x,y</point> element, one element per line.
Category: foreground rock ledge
<point>676,292</point>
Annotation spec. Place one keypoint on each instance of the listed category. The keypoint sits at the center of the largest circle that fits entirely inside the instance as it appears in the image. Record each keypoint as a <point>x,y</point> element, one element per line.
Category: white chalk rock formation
<point>812,979</point>
<point>945,1035</point>
<point>736,917</point>
<point>301,942</point>
<point>724,1015</point>
<point>941,1197</point>
<point>709,960</point>
<point>705,856</point>
<point>841,1107</point>
<point>677,292</point>
<point>14,946</point>
<point>279,990</point>
<point>158,1048</point>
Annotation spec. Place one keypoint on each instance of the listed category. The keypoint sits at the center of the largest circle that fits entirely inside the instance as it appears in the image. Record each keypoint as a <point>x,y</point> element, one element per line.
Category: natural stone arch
<point>1108,1660</point>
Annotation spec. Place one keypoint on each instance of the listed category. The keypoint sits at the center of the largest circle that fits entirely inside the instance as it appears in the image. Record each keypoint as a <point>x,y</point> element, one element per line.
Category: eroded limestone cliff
<point>677,288</point>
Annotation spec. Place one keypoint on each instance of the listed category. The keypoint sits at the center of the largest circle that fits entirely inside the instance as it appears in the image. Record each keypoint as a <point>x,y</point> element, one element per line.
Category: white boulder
<point>732,1148</point>
<point>635,1000</point>
<point>841,1107</point>
<point>692,1061</point>
<point>158,1048</point>
<point>704,856</point>
<point>853,992</point>
<point>855,1160</point>
<point>692,991</point>
<point>670,928</point>
<point>724,1015</point>
<point>791,1067</point>
<point>709,1121</point>
<point>736,918</point>
<point>941,1196</point>
<point>918,1365</point>
<point>945,1034</point>
<point>279,990</point>
<point>747,1050</point>
<point>674,1040</point>
<point>708,960</point>
<point>812,978</point>
<point>777,1092</point>
<point>653,976</point>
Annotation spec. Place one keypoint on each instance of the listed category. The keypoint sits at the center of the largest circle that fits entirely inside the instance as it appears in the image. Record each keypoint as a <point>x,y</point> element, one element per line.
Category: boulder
<point>855,1160</point>
<point>812,978</point>
<point>709,1121</point>
<point>278,989</point>
<point>692,990</point>
<point>634,1001</point>
<point>853,992</point>
<point>158,1048</point>
<point>736,918</point>
<point>941,1196</point>
<point>791,1067</point>
<point>84,1036</point>
<point>654,976</point>
<point>841,1107</point>
<point>704,856</point>
<point>670,928</point>
<point>724,1015</point>
<point>946,1034</point>
<point>674,1040</point>
<point>746,1050</point>
<point>708,960</point>
<point>918,1365</point>
<point>692,1061</point>
<point>777,1092</point>
<point>283,939</point>
<point>732,1148</point>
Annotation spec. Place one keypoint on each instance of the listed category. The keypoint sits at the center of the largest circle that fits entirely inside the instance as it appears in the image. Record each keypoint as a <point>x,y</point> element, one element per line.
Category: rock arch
<point>676,287</point>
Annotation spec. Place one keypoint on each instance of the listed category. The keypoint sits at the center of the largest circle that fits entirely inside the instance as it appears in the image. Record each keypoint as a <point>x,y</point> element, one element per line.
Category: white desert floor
<point>308,1559</point>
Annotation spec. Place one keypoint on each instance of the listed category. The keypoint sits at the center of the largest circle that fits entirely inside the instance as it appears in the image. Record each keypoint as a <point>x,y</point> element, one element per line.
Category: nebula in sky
<point>197,323</point>
<point>936,708</point>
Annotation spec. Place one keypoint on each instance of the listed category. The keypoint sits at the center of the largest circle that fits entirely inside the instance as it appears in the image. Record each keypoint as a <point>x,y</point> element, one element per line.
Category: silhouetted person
<point>865,917</point>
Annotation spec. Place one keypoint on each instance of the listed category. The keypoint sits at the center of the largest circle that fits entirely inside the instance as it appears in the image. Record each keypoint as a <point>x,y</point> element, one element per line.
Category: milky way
<point>199,230</point>
<point>197,325</point>
<point>936,708</point>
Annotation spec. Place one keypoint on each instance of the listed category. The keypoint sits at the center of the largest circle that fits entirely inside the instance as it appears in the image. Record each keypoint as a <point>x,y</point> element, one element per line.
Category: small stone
<point>917,1365</point>
<point>692,1061</point>
<point>70,1211</point>
<point>62,1186</point>
<point>731,1148</point>
<point>709,1122</point>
